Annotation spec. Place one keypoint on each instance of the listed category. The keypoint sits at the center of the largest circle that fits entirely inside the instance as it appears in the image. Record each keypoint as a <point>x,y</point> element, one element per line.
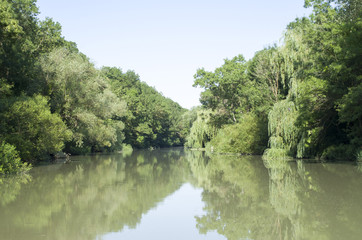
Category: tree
<point>81,95</point>
<point>334,37</point>
<point>202,131</point>
<point>23,39</point>
<point>224,88</point>
<point>152,120</point>
<point>248,136</point>
<point>10,161</point>
<point>269,68</point>
<point>28,124</point>
<point>350,112</point>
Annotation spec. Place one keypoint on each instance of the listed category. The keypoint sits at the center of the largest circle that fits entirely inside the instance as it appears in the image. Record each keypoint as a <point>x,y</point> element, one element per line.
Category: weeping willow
<point>202,131</point>
<point>296,56</point>
<point>286,139</point>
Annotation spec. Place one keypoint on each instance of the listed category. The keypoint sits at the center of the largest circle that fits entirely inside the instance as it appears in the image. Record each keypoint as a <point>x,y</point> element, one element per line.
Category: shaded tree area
<point>53,98</point>
<point>305,91</point>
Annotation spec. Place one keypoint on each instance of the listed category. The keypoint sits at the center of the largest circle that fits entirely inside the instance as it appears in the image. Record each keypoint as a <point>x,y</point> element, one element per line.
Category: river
<point>179,194</point>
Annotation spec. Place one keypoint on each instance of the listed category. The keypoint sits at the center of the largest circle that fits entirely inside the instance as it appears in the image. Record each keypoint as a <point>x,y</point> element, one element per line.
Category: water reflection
<point>280,200</point>
<point>243,197</point>
<point>10,187</point>
<point>96,195</point>
<point>235,195</point>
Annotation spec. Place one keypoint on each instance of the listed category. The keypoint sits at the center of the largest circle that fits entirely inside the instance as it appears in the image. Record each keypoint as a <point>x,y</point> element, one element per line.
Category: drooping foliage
<point>309,86</point>
<point>270,68</point>
<point>331,74</point>
<point>283,132</point>
<point>202,130</point>
<point>233,95</point>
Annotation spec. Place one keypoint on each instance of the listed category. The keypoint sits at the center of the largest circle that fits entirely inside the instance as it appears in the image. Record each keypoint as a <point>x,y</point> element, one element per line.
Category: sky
<point>166,41</point>
<point>173,218</point>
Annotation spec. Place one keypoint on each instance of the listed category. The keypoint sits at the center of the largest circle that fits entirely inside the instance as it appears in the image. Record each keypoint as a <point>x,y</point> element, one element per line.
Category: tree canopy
<point>306,90</point>
<point>53,98</point>
<point>308,87</point>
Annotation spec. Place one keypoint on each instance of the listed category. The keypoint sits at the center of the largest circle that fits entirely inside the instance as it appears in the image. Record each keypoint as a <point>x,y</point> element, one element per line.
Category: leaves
<point>32,128</point>
<point>223,87</point>
<point>83,97</point>
<point>152,120</point>
<point>10,161</point>
<point>249,136</point>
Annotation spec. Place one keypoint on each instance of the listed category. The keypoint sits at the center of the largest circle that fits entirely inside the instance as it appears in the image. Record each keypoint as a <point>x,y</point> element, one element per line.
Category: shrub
<point>33,129</point>
<point>338,152</point>
<point>359,155</point>
<point>249,136</point>
<point>10,161</point>
<point>276,154</point>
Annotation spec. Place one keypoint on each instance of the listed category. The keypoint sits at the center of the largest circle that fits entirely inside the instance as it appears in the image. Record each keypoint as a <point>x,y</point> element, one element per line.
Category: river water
<point>178,194</point>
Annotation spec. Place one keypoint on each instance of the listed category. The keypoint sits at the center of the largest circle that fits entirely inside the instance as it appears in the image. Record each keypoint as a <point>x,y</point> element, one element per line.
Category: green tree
<point>248,136</point>
<point>152,120</point>
<point>350,112</point>
<point>224,88</point>
<point>202,130</point>
<point>23,39</point>
<point>333,37</point>
<point>29,125</point>
<point>269,67</point>
<point>10,161</point>
<point>83,98</point>
<point>324,57</point>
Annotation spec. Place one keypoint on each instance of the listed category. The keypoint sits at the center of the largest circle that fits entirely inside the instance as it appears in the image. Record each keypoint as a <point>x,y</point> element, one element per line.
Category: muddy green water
<point>177,194</point>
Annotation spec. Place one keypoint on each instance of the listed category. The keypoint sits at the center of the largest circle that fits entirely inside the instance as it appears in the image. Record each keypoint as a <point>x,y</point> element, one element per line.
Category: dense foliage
<point>83,97</point>
<point>10,160</point>
<point>152,120</point>
<point>308,87</point>
<point>29,125</point>
<point>248,136</point>
<point>307,91</point>
<point>52,98</point>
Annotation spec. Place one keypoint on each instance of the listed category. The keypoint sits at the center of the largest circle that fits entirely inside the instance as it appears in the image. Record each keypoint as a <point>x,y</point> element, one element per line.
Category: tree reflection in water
<point>99,195</point>
<point>247,198</point>
<point>10,187</point>
<point>244,196</point>
<point>235,195</point>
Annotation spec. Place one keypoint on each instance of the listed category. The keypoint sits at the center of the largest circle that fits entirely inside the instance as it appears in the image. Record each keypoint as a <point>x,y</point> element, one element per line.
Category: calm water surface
<point>177,194</point>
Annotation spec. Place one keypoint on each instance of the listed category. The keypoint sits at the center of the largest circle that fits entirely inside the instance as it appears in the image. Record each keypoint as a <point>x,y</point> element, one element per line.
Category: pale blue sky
<point>173,218</point>
<point>165,42</point>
